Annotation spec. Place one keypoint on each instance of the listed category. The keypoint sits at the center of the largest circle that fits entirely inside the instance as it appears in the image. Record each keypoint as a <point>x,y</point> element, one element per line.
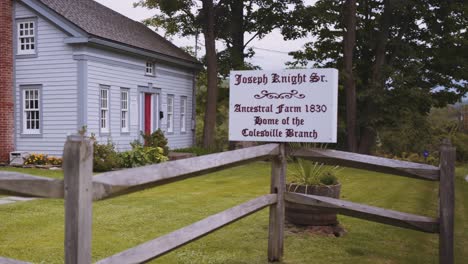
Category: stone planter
<point>305,215</point>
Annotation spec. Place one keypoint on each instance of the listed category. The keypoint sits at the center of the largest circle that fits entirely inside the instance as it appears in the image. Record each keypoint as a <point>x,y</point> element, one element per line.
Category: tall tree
<point>178,17</point>
<point>212,72</point>
<point>237,19</point>
<point>349,42</point>
<point>409,56</point>
<point>233,19</point>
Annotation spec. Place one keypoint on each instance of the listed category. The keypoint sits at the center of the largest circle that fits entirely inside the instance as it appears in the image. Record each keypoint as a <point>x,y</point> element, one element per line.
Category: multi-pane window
<point>124,101</point>
<point>31,111</point>
<point>104,108</point>
<point>183,114</point>
<point>149,68</point>
<point>170,113</point>
<point>26,37</point>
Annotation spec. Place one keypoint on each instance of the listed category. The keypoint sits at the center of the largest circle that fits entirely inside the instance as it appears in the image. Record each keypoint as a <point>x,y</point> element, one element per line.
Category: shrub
<point>42,159</point>
<point>156,139</point>
<point>329,178</point>
<point>105,157</point>
<point>460,142</point>
<point>140,156</point>
<point>306,172</point>
<point>54,161</point>
<point>36,159</point>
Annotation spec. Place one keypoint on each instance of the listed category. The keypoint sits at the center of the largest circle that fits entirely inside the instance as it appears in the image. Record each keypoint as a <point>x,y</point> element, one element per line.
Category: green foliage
<point>105,157</point>
<point>306,172</point>
<point>425,57</point>
<point>36,159</point>
<point>198,151</point>
<point>329,178</point>
<point>233,19</point>
<point>460,142</point>
<point>222,114</point>
<point>42,159</point>
<point>414,134</point>
<point>156,139</point>
<point>410,134</point>
<point>142,155</point>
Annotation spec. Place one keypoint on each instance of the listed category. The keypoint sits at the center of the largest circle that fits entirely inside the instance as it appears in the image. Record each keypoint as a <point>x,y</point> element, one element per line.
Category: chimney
<point>6,80</point>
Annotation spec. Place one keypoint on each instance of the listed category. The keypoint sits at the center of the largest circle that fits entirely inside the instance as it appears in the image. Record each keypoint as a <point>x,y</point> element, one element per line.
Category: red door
<point>147,113</point>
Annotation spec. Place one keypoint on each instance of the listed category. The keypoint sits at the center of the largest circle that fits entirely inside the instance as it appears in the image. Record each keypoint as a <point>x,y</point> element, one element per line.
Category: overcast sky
<point>271,52</point>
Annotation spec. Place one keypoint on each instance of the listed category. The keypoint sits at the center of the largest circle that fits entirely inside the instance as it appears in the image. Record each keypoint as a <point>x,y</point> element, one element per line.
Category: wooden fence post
<point>447,202</point>
<point>78,173</point>
<point>278,186</point>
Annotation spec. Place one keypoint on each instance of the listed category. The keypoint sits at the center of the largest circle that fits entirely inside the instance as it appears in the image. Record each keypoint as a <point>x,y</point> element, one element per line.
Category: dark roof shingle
<point>103,22</point>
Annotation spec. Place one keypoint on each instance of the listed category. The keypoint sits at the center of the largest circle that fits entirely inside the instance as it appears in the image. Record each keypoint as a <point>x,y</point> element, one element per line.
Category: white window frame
<point>31,111</point>
<point>124,110</point>
<point>104,109</point>
<point>149,68</point>
<point>170,113</point>
<point>26,37</point>
<point>183,114</point>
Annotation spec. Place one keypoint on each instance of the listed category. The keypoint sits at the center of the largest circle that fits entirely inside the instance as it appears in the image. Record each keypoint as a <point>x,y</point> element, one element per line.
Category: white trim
<point>104,110</point>
<point>124,110</point>
<point>26,31</point>
<point>170,113</point>
<point>152,113</point>
<point>156,112</point>
<point>31,111</point>
<point>183,114</point>
<point>150,69</point>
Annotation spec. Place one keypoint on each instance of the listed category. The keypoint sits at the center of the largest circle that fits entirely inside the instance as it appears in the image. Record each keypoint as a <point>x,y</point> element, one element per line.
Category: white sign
<point>284,105</point>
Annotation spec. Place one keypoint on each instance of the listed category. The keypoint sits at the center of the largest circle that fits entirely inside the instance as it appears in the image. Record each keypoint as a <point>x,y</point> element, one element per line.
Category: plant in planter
<point>314,178</point>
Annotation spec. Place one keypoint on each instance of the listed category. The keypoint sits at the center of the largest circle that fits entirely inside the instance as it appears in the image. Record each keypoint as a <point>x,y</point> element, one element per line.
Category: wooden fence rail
<point>165,244</point>
<point>372,163</point>
<point>366,212</point>
<point>13,183</point>
<point>79,188</point>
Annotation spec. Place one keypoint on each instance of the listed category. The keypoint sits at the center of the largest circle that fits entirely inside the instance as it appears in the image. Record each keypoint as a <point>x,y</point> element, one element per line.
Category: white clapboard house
<point>78,63</point>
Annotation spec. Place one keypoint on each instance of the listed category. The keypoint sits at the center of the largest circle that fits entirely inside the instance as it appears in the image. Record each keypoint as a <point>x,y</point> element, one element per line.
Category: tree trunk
<point>237,34</point>
<point>367,141</point>
<point>212,75</point>
<point>377,82</point>
<point>349,41</point>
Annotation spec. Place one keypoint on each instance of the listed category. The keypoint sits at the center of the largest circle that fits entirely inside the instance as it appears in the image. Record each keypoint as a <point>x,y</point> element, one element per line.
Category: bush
<point>42,159</point>
<point>329,178</point>
<point>54,161</point>
<point>140,156</point>
<point>36,159</point>
<point>432,159</point>
<point>460,142</point>
<point>156,139</point>
<point>307,172</point>
<point>105,157</point>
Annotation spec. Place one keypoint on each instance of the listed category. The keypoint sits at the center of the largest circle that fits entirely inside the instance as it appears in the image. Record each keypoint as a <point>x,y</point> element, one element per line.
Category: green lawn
<point>33,231</point>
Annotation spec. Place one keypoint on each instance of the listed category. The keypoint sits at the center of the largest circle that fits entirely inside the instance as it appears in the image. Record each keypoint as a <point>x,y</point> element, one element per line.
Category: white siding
<point>169,79</point>
<point>54,69</point>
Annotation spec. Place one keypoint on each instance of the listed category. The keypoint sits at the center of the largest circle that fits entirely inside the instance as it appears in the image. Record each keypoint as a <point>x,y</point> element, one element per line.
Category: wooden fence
<point>79,188</point>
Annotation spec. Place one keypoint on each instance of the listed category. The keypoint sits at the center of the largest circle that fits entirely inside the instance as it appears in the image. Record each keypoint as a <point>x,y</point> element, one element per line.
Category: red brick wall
<point>6,80</point>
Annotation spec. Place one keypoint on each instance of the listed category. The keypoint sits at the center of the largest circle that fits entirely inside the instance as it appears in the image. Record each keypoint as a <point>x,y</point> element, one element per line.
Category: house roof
<point>102,22</point>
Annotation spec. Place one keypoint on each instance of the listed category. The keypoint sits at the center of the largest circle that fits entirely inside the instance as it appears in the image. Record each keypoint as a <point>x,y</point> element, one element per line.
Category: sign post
<point>284,106</point>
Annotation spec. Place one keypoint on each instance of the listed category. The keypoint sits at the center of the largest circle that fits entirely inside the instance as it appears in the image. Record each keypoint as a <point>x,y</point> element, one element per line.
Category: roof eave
<point>134,50</point>
<point>55,18</point>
